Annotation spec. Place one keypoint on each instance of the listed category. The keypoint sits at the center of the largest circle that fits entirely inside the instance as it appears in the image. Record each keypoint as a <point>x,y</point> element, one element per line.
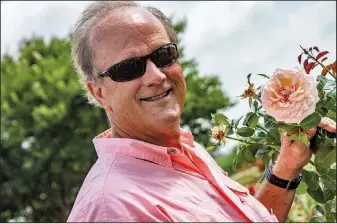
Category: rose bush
<point>290,102</point>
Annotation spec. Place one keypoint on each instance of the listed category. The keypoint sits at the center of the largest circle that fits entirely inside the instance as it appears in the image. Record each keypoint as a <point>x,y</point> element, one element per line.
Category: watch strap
<point>287,184</point>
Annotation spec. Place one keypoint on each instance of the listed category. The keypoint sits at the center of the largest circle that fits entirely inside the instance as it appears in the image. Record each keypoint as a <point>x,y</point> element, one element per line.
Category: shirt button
<point>172,151</point>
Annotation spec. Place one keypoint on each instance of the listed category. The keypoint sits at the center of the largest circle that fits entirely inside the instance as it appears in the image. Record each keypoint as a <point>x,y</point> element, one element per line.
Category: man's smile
<point>157,97</point>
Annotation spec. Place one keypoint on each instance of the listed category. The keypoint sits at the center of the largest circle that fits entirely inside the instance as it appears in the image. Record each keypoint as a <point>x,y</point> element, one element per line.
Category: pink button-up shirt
<point>135,181</point>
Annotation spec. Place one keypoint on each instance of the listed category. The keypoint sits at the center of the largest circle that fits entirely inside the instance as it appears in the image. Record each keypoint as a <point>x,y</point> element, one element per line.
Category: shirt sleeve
<point>76,215</point>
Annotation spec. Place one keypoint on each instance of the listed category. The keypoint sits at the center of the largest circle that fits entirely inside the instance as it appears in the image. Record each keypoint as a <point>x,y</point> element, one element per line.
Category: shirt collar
<point>105,145</point>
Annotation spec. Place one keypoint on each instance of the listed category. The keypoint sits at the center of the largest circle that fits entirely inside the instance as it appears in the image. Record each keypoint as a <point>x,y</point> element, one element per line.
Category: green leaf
<point>287,127</point>
<point>259,136</point>
<point>264,75</point>
<point>256,105</point>
<point>332,115</point>
<point>317,219</point>
<point>327,104</point>
<point>235,162</point>
<point>330,208</point>
<point>220,119</point>
<point>248,78</point>
<point>328,177</point>
<point>328,194</point>
<point>266,159</point>
<point>248,116</point>
<point>311,178</point>
<point>245,131</point>
<point>321,141</point>
<point>211,148</point>
<point>332,94</point>
<point>318,210</point>
<point>269,122</point>
<point>325,157</point>
<point>302,188</point>
<point>321,110</point>
<point>251,120</point>
<point>229,129</point>
<point>264,150</point>
<point>321,83</point>
<point>253,148</point>
<point>248,156</point>
<point>273,137</point>
<point>330,103</point>
<point>317,195</point>
<point>237,158</point>
<point>310,121</point>
<point>321,196</point>
<point>300,136</point>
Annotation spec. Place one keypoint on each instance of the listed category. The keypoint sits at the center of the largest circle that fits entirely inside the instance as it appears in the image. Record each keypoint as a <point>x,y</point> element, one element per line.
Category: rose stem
<point>243,141</point>
<point>262,128</point>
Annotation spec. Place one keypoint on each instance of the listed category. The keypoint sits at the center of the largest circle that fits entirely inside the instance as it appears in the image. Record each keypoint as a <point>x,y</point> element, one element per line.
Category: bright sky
<point>230,39</point>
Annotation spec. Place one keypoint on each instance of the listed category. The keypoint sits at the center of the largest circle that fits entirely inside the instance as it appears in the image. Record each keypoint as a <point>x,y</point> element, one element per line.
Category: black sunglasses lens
<point>128,70</point>
<point>134,68</point>
<point>166,55</point>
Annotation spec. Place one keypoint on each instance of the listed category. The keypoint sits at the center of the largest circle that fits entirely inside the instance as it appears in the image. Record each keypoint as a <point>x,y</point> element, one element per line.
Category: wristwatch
<point>287,184</point>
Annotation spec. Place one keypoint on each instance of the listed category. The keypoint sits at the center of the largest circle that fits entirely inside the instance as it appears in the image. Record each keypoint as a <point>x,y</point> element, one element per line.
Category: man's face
<point>128,33</point>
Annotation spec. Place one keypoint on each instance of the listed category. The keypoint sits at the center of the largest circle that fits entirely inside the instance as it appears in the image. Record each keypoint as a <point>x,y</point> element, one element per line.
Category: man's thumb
<point>285,140</point>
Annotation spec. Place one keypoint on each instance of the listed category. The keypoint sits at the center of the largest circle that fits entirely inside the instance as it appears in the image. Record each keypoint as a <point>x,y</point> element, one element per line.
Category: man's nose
<point>153,75</point>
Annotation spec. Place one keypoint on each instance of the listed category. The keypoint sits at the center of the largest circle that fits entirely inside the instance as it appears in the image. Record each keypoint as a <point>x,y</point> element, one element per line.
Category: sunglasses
<point>135,67</point>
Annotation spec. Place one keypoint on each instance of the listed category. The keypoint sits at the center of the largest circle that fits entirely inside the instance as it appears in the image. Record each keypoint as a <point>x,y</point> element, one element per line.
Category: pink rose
<point>290,95</point>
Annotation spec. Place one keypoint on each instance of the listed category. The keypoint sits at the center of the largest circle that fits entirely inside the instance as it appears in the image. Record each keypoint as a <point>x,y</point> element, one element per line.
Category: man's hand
<point>294,156</point>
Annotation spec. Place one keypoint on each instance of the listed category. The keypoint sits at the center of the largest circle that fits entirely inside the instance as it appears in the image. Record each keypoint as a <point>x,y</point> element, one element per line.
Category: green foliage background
<point>47,127</point>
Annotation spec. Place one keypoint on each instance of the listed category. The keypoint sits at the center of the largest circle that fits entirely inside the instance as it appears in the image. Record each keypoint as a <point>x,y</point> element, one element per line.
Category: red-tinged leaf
<point>299,58</point>
<point>321,54</point>
<point>308,67</point>
<point>324,59</point>
<point>305,63</point>
<point>316,48</point>
<point>324,71</point>
<point>332,67</point>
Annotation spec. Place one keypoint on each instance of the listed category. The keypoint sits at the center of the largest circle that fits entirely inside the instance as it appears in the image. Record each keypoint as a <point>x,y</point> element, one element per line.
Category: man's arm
<point>291,160</point>
<point>276,199</point>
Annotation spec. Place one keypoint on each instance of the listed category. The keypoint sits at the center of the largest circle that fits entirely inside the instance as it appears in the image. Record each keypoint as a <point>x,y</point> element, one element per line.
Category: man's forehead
<point>125,17</point>
<point>129,31</point>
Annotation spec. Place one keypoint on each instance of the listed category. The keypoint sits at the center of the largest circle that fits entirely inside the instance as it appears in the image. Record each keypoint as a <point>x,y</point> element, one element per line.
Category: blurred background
<point>47,126</point>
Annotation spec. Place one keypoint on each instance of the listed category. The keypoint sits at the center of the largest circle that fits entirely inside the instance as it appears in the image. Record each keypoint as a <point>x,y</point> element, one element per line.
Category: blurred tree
<point>47,127</point>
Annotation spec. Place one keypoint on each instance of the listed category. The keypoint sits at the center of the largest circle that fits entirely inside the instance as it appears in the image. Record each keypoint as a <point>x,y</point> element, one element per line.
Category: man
<point>148,168</point>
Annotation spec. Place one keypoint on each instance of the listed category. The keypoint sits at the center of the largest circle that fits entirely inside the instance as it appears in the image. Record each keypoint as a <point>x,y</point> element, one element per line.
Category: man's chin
<point>167,117</point>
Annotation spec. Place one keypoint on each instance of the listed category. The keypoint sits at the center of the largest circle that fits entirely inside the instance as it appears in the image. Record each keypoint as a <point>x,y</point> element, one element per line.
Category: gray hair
<point>81,50</point>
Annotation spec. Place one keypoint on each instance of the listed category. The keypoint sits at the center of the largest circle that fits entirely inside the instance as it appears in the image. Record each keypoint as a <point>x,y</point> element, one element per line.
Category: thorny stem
<point>323,66</point>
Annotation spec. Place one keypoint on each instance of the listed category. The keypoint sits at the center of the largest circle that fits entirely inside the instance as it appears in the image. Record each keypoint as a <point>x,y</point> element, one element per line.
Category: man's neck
<point>168,138</point>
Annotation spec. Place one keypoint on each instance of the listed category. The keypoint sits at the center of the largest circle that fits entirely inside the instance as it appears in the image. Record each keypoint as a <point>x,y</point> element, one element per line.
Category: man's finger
<point>311,133</point>
<point>328,124</point>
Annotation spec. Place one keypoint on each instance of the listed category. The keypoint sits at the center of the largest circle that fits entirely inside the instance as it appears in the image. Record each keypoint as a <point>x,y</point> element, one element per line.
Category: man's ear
<point>95,91</point>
